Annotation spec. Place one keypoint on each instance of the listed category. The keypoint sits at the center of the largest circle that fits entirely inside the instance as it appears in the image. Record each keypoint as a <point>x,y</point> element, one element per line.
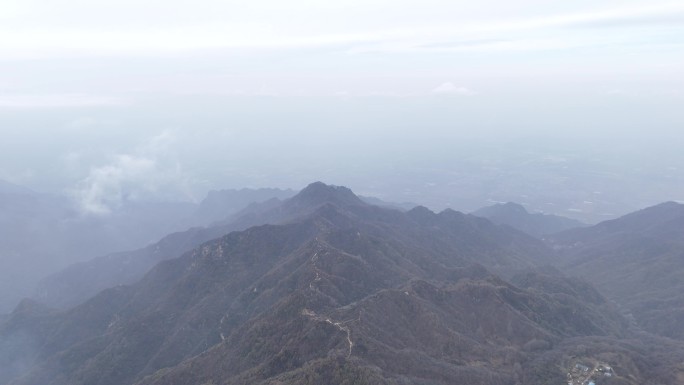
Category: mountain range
<point>325,288</point>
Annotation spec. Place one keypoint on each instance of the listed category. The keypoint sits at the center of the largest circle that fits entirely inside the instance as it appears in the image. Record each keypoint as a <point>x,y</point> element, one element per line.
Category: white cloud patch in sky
<point>449,88</point>
<point>146,173</point>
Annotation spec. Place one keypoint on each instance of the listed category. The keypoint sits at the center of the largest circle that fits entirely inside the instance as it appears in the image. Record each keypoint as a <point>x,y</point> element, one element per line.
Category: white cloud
<point>449,88</point>
<point>146,173</point>
<point>106,187</point>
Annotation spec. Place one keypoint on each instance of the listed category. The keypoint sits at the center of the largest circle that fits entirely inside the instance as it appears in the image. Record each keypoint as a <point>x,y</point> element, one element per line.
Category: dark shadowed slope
<point>516,216</point>
<point>347,293</point>
<point>637,260</point>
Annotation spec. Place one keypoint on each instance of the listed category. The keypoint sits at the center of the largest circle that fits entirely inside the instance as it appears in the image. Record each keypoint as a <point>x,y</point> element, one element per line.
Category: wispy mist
<point>150,173</point>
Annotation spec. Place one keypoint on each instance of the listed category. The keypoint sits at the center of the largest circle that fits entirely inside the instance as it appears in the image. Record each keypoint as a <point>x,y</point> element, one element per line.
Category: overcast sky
<point>136,98</point>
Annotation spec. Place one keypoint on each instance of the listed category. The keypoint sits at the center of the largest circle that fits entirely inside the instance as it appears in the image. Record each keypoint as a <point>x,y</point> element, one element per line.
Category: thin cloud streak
<point>34,43</point>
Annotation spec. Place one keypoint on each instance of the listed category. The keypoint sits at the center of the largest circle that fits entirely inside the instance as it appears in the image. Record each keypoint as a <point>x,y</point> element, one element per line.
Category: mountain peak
<point>508,208</point>
<point>669,205</point>
<point>512,206</point>
<point>318,193</point>
<point>421,214</point>
<point>660,211</point>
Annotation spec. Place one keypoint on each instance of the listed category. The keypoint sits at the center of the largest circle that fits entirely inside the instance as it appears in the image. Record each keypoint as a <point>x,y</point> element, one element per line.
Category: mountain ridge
<point>636,260</point>
<point>536,224</point>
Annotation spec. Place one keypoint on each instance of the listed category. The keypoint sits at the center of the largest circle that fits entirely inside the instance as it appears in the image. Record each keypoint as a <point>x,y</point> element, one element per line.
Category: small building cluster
<point>605,370</point>
<point>584,373</point>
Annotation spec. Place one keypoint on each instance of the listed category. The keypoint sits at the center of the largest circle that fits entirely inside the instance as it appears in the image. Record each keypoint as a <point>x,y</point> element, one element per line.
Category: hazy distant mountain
<point>42,233</point>
<point>516,216</point>
<point>82,280</point>
<point>76,282</point>
<point>219,204</point>
<point>636,260</point>
<point>343,293</point>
